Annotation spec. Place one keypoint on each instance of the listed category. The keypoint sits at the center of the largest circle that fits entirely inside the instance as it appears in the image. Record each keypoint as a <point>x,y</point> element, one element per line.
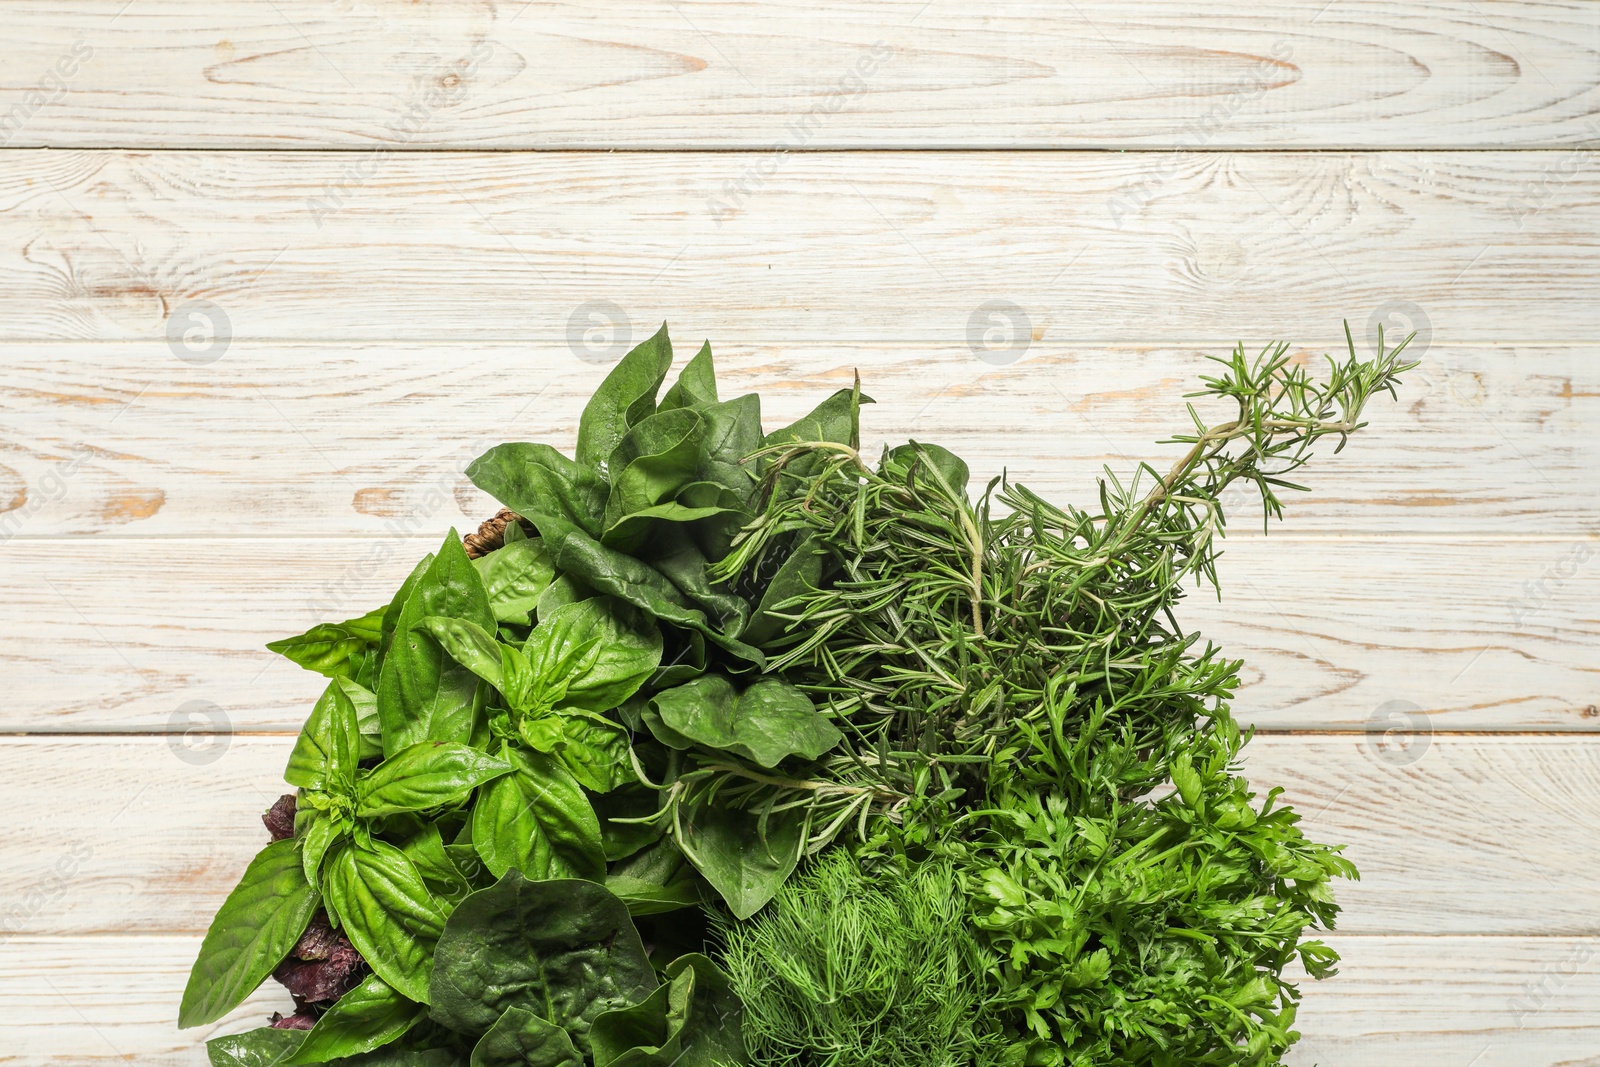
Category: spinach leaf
<point>938,463</point>
<point>367,1017</point>
<point>744,866</point>
<point>768,722</point>
<point>695,1020</point>
<point>657,879</point>
<point>427,775</point>
<point>650,464</point>
<point>636,582</point>
<point>536,820</point>
<point>696,385</point>
<point>627,396</point>
<point>263,1047</point>
<point>519,1038</point>
<point>563,949</point>
<point>800,572</point>
<point>424,695</point>
<point>333,649</point>
<point>387,912</point>
<point>514,576</point>
<point>542,485</point>
<point>253,931</point>
<point>682,561</point>
<point>836,419</point>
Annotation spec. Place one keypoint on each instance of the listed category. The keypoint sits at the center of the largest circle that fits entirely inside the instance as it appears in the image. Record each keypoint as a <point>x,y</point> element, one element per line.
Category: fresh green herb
<point>943,772</point>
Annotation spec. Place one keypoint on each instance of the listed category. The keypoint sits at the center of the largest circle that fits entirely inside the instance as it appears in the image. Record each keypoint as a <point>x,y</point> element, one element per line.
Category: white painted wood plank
<point>903,248</point>
<point>1101,73</point>
<point>1397,1002</point>
<point>1453,834</point>
<point>326,440</point>
<point>118,634</point>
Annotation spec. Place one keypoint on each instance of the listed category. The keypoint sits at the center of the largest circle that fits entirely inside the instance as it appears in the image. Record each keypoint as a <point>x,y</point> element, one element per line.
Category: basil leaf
<point>514,576</point>
<point>469,645</point>
<point>627,396</point>
<point>333,649</point>
<point>594,749</point>
<point>520,1038</point>
<point>745,867</point>
<point>427,852</point>
<point>367,1017</point>
<point>342,723</point>
<point>696,385</point>
<point>424,695</point>
<point>428,775</point>
<point>768,722</point>
<point>391,614</point>
<point>541,485</point>
<point>263,1047</point>
<point>256,927</point>
<point>564,949</point>
<point>600,648</point>
<point>320,833</point>
<point>536,820</point>
<point>387,912</point>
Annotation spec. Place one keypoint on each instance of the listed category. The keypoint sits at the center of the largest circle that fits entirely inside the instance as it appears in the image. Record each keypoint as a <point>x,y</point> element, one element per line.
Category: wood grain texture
<point>110,634</point>
<point>1453,834</point>
<point>891,73</point>
<point>1397,1002</point>
<point>900,248</point>
<point>357,440</point>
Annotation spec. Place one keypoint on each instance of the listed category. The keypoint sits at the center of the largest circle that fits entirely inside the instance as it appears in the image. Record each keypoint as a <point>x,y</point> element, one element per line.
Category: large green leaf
<point>256,927</point>
<point>367,1017</point>
<point>836,419</point>
<point>565,950</point>
<point>537,820</point>
<point>657,879</point>
<point>342,723</point>
<point>387,912</point>
<point>332,648</point>
<point>695,1020</point>
<point>649,465</point>
<point>542,485</point>
<point>602,651</point>
<point>768,722</point>
<point>423,694</point>
<point>427,775</point>
<point>627,396</point>
<point>683,562</point>
<point>514,576</point>
<point>636,582</point>
<point>800,572</point>
<point>262,1047</point>
<point>727,846</point>
<point>519,1038</point>
<point>696,385</point>
<point>469,645</point>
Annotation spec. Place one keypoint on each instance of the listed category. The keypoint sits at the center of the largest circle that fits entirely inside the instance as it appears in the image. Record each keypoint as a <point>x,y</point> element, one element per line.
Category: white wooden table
<point>272,272</point>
